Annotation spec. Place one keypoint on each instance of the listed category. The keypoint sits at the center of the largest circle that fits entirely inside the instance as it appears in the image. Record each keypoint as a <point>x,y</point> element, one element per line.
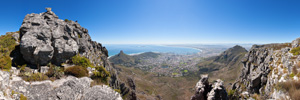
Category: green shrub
<point>22,97</point>
<point>76,71</point>
<point>295,51</point>
<point>118,90</point>
<point>101,75</point>
<point>22,68</point>
<point>54,71</point>
<point>81,61</point>
<point>7,42</point>
<point>33,77</point>
<point>66,20</point>
<point>5,62</point>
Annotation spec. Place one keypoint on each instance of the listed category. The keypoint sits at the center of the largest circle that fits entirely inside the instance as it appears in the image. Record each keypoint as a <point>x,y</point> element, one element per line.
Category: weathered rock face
<point>263,67</point>
<point>70,88</point>
<point>45,38</point>
<point>206,91</point>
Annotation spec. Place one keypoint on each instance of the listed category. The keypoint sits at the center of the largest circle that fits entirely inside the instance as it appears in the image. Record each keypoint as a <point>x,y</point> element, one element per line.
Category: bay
<point>114,49</point>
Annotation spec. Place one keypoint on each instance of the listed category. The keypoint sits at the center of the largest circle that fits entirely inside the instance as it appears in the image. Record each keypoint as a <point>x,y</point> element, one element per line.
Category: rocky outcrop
<point>69,88</point>
<point>263,67</point>
<point>206,91</point>
<point>45,39</point>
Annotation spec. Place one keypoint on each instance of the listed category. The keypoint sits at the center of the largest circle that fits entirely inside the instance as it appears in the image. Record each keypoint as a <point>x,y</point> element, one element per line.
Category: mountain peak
<point>231,53</point>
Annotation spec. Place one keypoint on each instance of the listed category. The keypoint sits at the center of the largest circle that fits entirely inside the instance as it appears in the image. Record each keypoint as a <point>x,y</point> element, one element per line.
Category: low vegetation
<point>7,45</point>
<point>55,72</point>
<point>295,51</point>
<point>67,20</point>
<point>5,62</point>
<point>280,46</point>
<point>76,71</point>
<point>292,87</point>
<point>101,75</point>
<point>81,61</point>
<point>27,76</point>
<point>22,97</point>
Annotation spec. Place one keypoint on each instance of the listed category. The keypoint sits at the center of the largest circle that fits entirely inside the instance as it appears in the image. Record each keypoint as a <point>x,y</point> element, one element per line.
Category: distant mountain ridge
<point>225,66</point>
<point>131,60</point>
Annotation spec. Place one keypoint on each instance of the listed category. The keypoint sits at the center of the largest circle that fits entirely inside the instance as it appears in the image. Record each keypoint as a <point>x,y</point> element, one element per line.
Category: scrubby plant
<point>295,51</point>
<point>22,68</point>
<point>76,71</point>
<point>55,71</point>
<point>22,97</point>
<point>256,96</point>
<point>7,44</point>
<point>292,87</point>
<point>67,20</point>
<point>118,90</point>
<point>101,75</point>
<point>5,63</point>
<point>33,77</point>
<point>81,61</point>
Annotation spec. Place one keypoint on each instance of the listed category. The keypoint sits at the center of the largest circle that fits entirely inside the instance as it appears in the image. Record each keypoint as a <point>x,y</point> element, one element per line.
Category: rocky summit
<point>45,39</point>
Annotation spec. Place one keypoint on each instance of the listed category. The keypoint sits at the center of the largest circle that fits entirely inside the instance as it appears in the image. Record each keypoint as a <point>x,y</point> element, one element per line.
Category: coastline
<point>181,50</point>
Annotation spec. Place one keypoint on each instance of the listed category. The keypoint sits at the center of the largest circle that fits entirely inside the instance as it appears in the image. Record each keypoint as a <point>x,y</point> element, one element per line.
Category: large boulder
<point>45,39</point>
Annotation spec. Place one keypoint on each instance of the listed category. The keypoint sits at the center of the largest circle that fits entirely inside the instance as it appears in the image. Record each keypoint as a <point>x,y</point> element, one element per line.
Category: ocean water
<point>114,49</point>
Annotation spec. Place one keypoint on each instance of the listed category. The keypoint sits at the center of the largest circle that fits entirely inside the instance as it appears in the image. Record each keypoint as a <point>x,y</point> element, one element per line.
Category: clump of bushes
<point>22,97</point>
<point>101,75</point>
<point>55,71</point>
<point>292,87</point>
<point>295,51</point>
<point>5,62</point>
<point>76,71</point>
<point>34,77</point>
<point>7,44</point>
<point>81,61</point>
<point>67,20</point>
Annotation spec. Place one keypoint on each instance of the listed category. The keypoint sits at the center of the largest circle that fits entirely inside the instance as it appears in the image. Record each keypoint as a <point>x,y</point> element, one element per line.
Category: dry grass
<point>280,46</point>
<point>256,96</point>
<point>77,71</point>
<point>292,87</point>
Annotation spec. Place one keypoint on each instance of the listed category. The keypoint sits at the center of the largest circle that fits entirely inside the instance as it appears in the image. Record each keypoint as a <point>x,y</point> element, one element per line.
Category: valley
<point>173,76</point>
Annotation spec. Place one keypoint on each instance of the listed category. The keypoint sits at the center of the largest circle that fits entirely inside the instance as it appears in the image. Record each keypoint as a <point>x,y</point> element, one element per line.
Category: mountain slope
<point>131,60</point>
<point>225,66</point>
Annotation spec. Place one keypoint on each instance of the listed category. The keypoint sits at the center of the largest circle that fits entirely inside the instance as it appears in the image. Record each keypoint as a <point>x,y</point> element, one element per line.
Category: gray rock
<point>296,43</point>
<point>101,93</point>
<point>16,36</point>
<point>70,88</point>
<point>218,91</point>
<point>205,91</point>
<point>45,39</point>
<point>44,69</point>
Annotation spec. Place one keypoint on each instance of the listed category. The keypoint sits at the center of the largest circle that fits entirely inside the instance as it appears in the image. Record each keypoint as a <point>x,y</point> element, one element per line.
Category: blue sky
<point>168,21</point>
